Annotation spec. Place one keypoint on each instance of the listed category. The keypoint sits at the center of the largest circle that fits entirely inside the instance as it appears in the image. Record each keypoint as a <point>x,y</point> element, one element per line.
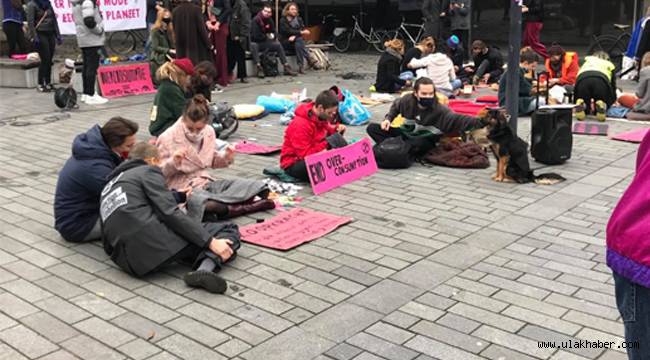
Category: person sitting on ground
<point>562,66</point>
<point>456,53</point>
<point>439,68</point>
<point>425,47</point>
<point>203,80</point>
<point>488,64</point>
<point>95,154</point>
<point>264,39</point>
<point>527,102</point>
<point>421,108</point>
<point>169,102</point>
<point>189,149</point>
<point>310,132</point>
<point>388,68</point>
<point>144,229</point>
<point>161,48</point>
<point>639,102</point>
<point>292,30</point>
<point>595,88</point>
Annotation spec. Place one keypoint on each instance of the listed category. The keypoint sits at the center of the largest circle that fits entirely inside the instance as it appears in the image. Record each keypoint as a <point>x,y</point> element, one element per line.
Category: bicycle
<point>375,38</point>
<point>615,46</point>
<point>402,29</point>
<point>124,42</point>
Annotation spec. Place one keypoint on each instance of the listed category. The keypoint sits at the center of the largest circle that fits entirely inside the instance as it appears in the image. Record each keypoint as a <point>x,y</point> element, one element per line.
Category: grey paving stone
<point>108,290</point>
<point>26,290</point>
<point>141,327</point>
<point>98,306</point>
<point>496,352</point>
<point>549,335</point>
<point>187,349</point>
<point>197,331</point>
<point>516,224</point>
<point>14,306</point>
<point>103,331</point>
<point>487,317</point>
<point>530,303</point>
<point>293,344</point>
<point>60,287</point>
<point>425,274</point>
<point>308,302</point>
<point>386,296</point>
<point>267,287</point>
<point>542,320</point>
<point>261,318</point>
<point>7,353</point>
<point>512,341</point>
<point>233,348</point>
<point>149,309</point>
<point>401,319</point>
<point>439,350</point>
<point>162,296</point>
<point>27,341</point>
<point>59,355</point>
<point>356,276</point>
<point>49,327</point>
<point>458,323</point>
<point>381,347</point>
<point>63,310</point>
<point>249,333</point>
<point>265,302</point>
<point>449,336</point>
<point>209,316</point>
<point>480,301</point>
<point>341,322</point>
<point>460,256</point>
<point>343,351</point>
<point>390,333</point>
<point>139,349</point>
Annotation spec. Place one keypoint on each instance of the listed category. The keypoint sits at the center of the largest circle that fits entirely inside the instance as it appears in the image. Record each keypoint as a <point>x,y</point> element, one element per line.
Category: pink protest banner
<point>635,136</point>
<point>331,169</point>
<point>291,228</point>
<point>246,147</point>
<point>125,80</point>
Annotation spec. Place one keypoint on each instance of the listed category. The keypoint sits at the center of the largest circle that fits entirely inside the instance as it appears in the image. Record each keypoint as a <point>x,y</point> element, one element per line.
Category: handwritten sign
<point>125,80</point>
<point>247,147</point>
<point>118,15</point>
<point>291,228</point>
<point>331,169</point>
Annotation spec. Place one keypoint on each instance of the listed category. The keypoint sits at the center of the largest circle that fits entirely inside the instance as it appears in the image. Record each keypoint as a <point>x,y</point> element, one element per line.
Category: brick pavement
<point>438,264</point>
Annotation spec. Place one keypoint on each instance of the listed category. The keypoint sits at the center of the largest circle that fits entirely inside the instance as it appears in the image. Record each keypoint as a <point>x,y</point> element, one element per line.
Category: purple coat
<point>628,230</point>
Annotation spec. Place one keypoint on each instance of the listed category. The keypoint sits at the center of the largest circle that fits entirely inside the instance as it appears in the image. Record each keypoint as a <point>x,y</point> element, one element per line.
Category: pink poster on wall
<point>331,169</point>
<point>125,80</point>
<point>291,228</point>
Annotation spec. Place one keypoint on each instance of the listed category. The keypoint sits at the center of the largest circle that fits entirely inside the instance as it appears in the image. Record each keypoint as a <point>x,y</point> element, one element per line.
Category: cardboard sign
<point>331,169</point>
<point>635,136</point>
<point>118,15</point>
<point>291,228</point>
<point>125,80</point>
<point>590,128</point>
<point>246,147</point>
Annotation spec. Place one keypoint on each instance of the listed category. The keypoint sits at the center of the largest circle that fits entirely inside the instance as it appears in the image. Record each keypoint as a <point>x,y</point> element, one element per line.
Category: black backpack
<point>393,153</point>
<point>270,64</point>
<point>223,120</point>
<point>65,98</point>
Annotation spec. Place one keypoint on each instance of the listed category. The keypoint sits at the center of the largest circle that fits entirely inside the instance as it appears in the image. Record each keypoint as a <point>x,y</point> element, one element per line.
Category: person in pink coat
<point>188,150</point>
<point>628,255</point>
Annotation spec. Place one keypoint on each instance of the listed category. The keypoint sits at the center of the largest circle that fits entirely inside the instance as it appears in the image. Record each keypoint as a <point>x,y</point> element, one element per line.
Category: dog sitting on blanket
<point>511,152</point>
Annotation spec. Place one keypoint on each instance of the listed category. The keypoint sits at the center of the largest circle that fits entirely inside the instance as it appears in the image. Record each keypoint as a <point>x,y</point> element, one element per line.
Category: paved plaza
<point>438,263</point>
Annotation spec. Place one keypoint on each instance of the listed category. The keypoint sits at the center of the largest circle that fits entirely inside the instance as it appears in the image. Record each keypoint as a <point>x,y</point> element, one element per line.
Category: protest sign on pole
<point>118,15</point>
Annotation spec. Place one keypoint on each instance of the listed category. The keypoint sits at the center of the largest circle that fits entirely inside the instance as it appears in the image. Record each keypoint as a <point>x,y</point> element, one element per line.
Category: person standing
<point>218,13</point>
<point>459,14</point>
<point>240,29</point>
<point>12,25</point>
<point>161,47</point>
<point>431,13</point>
<point>533,17</point>
<point>44,30</point>
<point>292,29</point>
<point>190,33</point>
<point>90,38</point>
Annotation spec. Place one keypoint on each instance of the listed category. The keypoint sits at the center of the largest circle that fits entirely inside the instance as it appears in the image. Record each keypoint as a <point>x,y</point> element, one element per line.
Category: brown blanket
<point>459,155</point>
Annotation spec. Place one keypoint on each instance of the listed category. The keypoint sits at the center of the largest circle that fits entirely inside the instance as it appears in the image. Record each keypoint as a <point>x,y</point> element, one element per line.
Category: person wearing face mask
<point>311,131</point>
<point>527,100</point>
<point>95,154</point>
<point>161,48</point>
<point>422,110</point>
<point>144,229</point>
<point>188,149</point>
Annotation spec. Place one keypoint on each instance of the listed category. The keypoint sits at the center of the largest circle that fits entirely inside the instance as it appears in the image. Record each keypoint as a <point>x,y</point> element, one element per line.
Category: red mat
<point>247,147</point>
<point>291,228</point>
<point>635,136</point>
<point>491,99</point>
<point>466,107</point>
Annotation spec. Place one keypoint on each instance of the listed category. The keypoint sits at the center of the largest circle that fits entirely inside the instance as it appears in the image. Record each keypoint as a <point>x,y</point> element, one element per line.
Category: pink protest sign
<point>246,147</point>
<point>125,80</point>
<point>291,228</point>
<point>635,136</point>
<point>331,169</point>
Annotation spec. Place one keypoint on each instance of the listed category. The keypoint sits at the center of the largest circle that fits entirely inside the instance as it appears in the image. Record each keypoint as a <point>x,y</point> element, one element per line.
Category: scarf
<point>294,23</point>
<point>265,24</point>
<point>557,68</point>
<point>394,53</point>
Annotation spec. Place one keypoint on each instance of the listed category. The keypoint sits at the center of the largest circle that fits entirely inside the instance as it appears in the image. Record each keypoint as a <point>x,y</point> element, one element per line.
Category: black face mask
<point>167,20</point>
<point>426,102</point>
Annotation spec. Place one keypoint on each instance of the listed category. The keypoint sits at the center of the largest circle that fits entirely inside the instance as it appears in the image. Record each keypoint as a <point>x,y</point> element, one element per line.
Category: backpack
<point>270,64</point>
<point>393,153</point>
<point>223,120</point>
<point>319,59</point>
<point>65,98</point>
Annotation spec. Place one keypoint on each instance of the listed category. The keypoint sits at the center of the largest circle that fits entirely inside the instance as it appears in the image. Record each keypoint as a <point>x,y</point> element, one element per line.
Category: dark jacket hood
<point>127,165</point>
<point>91,145</point>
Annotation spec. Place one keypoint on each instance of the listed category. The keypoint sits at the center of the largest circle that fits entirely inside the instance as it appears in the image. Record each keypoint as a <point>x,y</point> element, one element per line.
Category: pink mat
<point>635,136</point>
<point>291,228</point>
<point>247,147</point>
<point>590,128</point>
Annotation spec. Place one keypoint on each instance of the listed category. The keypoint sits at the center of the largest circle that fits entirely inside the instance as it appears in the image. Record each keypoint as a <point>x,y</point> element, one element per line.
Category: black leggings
<point>91,64</point>
<point>46,46</point>
<point>593,88</point>
<point>236,57</point>
<point>15,37</point>
<point>378,135</point>
<point>298,170</point>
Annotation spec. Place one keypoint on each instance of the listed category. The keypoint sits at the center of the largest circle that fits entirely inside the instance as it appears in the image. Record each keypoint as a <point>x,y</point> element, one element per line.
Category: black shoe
<point>42,88</point>
<point>207,280</point>
<point>243,81</point>
<point>50,87</point>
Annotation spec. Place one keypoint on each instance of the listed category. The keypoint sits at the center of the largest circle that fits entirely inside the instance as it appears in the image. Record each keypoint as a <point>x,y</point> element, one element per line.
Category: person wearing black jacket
<point>263,39</point>
<point>431,10</point>
<point>240,29</point>
<point>388,68</point>
<point>44,31</point>
<point>421,109</point>
<point>292,29</point>
<point>425,47</point>
<point>488,63</point>
<point>190,33</point>
<point>144,229</point>
<point>218,13</point>
<point>533,16</point>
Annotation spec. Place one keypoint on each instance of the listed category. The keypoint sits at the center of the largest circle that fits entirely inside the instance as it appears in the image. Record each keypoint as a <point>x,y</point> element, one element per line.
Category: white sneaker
<point>96,100</point>
<point>84,97</point>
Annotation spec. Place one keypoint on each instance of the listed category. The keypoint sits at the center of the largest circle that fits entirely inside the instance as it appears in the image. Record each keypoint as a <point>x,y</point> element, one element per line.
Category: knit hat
<point>453,41</point>
<point>185,64</point>
<point>555,49</point>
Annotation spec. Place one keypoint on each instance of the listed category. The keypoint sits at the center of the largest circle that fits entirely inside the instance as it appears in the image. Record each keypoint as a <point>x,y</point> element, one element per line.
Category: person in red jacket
<point>562,66</point>
<point>311,131</point>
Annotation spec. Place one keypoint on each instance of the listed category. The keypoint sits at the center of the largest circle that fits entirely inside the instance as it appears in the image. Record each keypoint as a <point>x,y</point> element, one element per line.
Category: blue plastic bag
<point>275,105</point>
<point>351,111</point>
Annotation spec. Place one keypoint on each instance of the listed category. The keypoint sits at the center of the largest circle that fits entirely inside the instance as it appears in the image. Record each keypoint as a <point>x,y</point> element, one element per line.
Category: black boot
<point>260,71</point>
<point>248,208</point>
<point>288,71</point>
<point>207,280</point>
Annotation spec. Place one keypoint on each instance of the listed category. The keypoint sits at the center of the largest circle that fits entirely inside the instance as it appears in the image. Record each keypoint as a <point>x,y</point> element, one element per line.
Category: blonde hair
<point>159,23</point>
<point>285,10</point>
<point>144,150</point>
<point>645,60</point>
<point>169,71</point>
<point>395,44</point>
<point>427,42</point>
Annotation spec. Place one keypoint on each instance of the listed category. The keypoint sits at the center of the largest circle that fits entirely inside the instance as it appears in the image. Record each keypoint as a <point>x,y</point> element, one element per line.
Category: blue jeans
<point>633,302</point>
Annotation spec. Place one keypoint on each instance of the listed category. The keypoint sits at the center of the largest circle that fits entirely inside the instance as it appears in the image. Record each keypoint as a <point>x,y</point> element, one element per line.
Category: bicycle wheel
<point>122,42</point>
<point>342,41</point>
<point>612,46</point>
<point>383,36</point>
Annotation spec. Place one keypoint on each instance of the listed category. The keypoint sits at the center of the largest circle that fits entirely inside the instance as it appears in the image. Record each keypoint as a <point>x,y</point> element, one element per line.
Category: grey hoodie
<point>643,91</point>
<point>87,37</point>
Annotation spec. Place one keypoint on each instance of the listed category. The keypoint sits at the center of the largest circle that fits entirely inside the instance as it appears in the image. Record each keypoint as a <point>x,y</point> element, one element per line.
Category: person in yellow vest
<point>595,88</point>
